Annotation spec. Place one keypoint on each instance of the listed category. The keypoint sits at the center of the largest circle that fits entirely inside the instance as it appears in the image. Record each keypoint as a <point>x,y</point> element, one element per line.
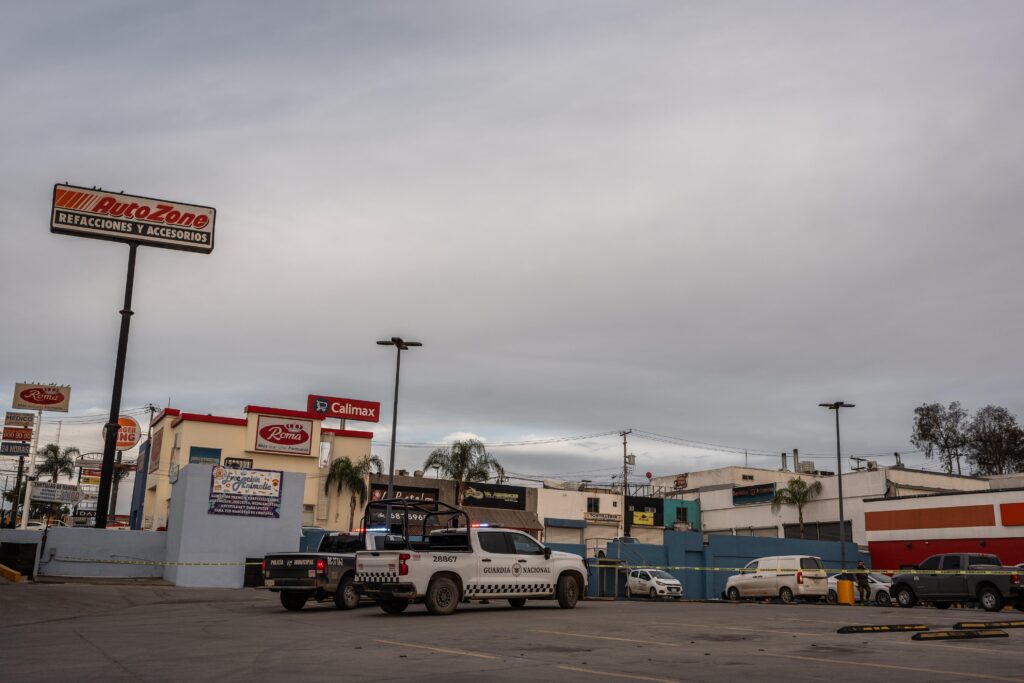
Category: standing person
<point>863,586</point>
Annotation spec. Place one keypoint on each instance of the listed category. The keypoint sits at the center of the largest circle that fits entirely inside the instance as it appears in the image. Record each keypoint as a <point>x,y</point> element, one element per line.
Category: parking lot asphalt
<point>74,632</point>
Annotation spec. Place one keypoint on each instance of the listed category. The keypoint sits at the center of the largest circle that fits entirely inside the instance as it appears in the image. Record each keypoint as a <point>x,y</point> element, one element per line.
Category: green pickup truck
<point>960,577</point>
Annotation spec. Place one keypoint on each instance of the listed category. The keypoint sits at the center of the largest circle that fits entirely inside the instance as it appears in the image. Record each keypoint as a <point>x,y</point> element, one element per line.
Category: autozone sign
<point>345,408</point>
<point>41,397</point>
<point>129,218</point>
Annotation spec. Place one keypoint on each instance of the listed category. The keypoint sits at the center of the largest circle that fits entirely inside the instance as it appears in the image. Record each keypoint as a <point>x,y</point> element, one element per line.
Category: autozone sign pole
<point>136,220</point>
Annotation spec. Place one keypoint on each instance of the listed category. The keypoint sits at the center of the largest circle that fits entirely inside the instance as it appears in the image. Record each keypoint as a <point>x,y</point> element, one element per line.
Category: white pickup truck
<point>456,564</point>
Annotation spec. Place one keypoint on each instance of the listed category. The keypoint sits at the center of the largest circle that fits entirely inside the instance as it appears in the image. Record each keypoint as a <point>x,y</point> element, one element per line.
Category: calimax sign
<point>345,408</point>
<point>104,215</point>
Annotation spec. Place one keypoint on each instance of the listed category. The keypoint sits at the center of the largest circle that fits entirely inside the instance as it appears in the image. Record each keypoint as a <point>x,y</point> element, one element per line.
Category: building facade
<point>737,500</point>
<point>902,532</point>
<point>268,439</point>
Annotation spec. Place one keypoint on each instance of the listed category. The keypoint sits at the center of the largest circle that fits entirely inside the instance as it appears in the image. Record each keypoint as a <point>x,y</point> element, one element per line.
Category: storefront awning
<point>509,519</point>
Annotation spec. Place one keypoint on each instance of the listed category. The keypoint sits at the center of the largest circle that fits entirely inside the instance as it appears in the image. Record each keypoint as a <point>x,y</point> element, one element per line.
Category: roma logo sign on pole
<point>134,220</point>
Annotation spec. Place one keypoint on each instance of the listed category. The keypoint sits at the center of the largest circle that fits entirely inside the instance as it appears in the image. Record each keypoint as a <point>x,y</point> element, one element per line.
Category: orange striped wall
<point>936,518</point>
<point>1012,514</point>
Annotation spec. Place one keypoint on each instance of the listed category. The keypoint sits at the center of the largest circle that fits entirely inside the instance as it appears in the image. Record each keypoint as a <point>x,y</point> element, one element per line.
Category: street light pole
<point>401,345</point>
<point>839,473</point>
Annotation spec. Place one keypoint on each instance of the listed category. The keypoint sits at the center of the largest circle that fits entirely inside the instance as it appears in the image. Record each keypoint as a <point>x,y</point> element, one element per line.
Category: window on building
<point>593,504</point>
<point>682,514</point>
<point>748,477</point>
<point>307,515</point>
<point>204,456</point>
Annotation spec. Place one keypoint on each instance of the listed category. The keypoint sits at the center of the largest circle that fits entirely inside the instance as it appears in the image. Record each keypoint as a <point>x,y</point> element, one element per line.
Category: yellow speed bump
<point>961,635</point>
<point>10,574</point>
<point>882,628</point>
<point>988,624</point>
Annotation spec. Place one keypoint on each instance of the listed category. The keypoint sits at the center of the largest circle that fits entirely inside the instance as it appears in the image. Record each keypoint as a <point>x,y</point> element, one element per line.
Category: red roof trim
<point>347,432</point>
<point>166,412</point>
<point>283,413</point>
<point>214,419</point>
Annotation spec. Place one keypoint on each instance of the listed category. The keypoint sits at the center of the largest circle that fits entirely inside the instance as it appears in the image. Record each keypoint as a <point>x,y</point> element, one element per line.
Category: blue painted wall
<point>687,549</point>
<point>692,510</point>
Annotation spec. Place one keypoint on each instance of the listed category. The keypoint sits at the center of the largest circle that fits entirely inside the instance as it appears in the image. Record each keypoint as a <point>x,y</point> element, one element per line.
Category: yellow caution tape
<point>741,570</point>
<point>158,564</point>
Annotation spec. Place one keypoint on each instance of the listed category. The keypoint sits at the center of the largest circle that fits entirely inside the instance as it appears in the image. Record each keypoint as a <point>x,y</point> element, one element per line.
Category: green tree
<point>797,493</point>
<point>464,462</point>
<point>996,441</point>
<point>345,474</point>
<point>941,431</point>
<point>56,461</point>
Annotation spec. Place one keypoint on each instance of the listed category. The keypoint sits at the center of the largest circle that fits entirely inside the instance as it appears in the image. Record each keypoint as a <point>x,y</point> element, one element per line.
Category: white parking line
<point>896,667</point>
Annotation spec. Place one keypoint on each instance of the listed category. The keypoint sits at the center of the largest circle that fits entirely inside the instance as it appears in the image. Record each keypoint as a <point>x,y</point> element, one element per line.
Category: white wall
<point>194,535</point>
<point>68,550</point>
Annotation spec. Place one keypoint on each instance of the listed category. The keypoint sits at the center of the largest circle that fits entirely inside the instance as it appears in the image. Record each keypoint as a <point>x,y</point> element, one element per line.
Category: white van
<point>785,576</point>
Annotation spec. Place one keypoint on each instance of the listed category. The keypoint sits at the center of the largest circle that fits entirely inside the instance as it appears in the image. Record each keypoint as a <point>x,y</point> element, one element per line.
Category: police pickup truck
<point>960,577</point>
<point>322,574</point>
<point>446,560</point>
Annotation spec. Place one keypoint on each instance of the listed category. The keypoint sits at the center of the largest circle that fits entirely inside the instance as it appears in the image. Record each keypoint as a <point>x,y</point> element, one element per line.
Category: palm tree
<point>464,462</point>
<point>344,473</point>
<point>798,493</point>
<point>56,461</point>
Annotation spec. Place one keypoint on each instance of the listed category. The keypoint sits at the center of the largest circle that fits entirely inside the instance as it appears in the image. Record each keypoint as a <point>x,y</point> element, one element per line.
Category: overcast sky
<point>700,220</point>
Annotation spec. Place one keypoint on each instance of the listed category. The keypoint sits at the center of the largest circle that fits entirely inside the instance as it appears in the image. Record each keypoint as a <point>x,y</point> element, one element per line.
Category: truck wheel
<point>991,600</point>
<point>905,597</point>
<point>786,594</point>
<point>293,601</point>
<point>941,604</point>
<point>517,602</point>
<point>734,594</point>
<point>442,596</point>
<point>567,591</point>
<point>832,597</point>
<point>883,599</point>
<point>393,606</point>
<point>346,597</point>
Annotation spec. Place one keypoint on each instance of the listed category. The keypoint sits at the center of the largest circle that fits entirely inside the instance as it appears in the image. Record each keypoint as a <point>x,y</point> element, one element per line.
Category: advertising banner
<point>154,451</point>
<point>652,506</point>
<point>17,433</point>
<point>283,435</point>
<point>749,495</point>
<point>19,419</point>
<point>238,462</point>
<point>345,408</point>
<point>643,518</point>
<point>380,491</point>
<point>90,477</point>
<point>128,433</point>
<point>245,493</point>
<point>84,212</point>
<point>41,397</point>
<point>8,448</point>
<point>48,492</point>
<point>483,495</point>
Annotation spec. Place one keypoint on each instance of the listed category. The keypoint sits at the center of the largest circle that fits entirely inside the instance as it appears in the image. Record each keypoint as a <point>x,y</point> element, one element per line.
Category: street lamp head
<point>400,343</point>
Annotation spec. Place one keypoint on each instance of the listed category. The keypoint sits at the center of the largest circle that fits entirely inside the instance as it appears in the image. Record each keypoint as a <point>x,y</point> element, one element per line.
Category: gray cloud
<point>699,221</point>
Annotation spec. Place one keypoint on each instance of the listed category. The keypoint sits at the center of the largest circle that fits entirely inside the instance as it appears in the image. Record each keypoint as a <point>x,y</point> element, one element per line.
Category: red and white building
<point>904,531</point>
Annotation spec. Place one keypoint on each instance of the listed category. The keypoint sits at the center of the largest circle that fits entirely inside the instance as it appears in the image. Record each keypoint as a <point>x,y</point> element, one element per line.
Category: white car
<point>880,585</point>
<point>654,583</point>
<point>785,576</point>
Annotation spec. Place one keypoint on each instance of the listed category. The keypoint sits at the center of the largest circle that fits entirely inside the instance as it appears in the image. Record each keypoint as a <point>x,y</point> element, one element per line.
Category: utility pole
<point>625,482</point>
<point>31,476</point>
<point>17,492</point>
